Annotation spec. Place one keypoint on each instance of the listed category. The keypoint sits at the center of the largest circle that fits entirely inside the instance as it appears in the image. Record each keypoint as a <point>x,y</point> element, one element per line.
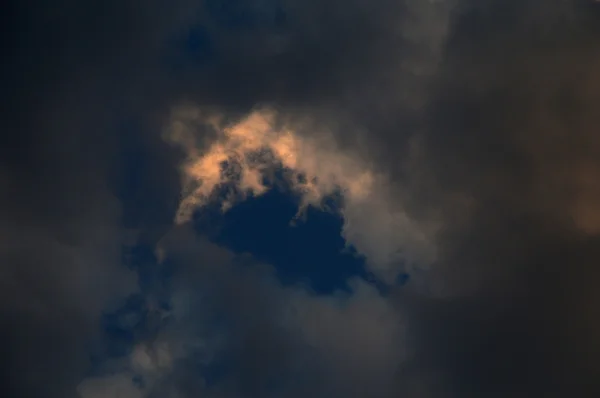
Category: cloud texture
<point>248,154</point>
<point>460,138</point>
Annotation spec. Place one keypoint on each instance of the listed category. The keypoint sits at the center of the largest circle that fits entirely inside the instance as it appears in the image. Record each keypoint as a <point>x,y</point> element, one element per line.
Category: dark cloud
<point>484,114</point>
<point>511,127</point>
<point>61,223</point>
<point>234,329</point>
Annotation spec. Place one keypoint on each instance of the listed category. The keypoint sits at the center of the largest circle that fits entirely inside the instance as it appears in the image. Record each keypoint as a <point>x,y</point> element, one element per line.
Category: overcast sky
<point>292,199</point>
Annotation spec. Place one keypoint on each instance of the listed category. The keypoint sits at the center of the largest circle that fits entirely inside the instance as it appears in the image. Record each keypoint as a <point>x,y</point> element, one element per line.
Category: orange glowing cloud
<point>246,153</point>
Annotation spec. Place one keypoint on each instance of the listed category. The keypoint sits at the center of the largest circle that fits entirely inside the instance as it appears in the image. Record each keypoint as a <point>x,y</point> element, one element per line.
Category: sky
<point>290,199</point>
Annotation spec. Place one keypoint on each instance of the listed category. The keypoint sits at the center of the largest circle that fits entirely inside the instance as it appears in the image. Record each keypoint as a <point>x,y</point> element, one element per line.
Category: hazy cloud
<point>461,135</point>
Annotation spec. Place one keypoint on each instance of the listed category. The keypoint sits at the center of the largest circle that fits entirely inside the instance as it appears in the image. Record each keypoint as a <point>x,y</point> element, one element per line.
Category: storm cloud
<point>459,137</point>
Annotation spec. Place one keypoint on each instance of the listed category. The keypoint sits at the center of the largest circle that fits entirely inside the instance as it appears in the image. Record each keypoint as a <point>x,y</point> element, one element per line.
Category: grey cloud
<point>278,341</point>
<point>484,119</point>
<point>61,222</point>
<point>506,129</point>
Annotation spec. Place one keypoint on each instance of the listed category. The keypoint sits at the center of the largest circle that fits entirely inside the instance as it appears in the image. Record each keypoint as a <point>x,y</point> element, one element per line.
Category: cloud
<point>501,155</point>
<point>60,249</point>
<point>274,340</point>
<point>61,231</point>
<point>509,127</point>
<point>248,153</point>
<point>120,386</point>
<point>144,371</point>
<point>359,340</point>
<point>465,126</point>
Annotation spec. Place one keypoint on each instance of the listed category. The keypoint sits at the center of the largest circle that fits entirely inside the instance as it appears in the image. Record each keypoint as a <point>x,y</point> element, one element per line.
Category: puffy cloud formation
<point>460,135</point>
<point>249,153</point>
<point>282,340</point>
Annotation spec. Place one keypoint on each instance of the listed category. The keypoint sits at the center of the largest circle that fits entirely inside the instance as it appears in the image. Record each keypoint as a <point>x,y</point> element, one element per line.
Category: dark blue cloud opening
<point>310,252</point>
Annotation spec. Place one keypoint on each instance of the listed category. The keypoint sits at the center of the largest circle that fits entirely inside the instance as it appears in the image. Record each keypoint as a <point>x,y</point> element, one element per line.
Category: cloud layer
<point>460,137</point>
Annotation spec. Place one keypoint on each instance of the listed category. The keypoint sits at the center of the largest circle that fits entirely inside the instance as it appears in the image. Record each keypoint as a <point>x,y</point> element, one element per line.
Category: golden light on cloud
<point>252,147</point>
<point>245,155</point>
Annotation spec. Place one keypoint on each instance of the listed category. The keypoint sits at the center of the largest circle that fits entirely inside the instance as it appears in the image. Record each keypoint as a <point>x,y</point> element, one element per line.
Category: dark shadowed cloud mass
<point>282,198</point>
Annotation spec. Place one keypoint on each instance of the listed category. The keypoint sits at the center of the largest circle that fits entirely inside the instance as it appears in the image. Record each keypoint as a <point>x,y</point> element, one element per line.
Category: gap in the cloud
<point>308,251</point>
